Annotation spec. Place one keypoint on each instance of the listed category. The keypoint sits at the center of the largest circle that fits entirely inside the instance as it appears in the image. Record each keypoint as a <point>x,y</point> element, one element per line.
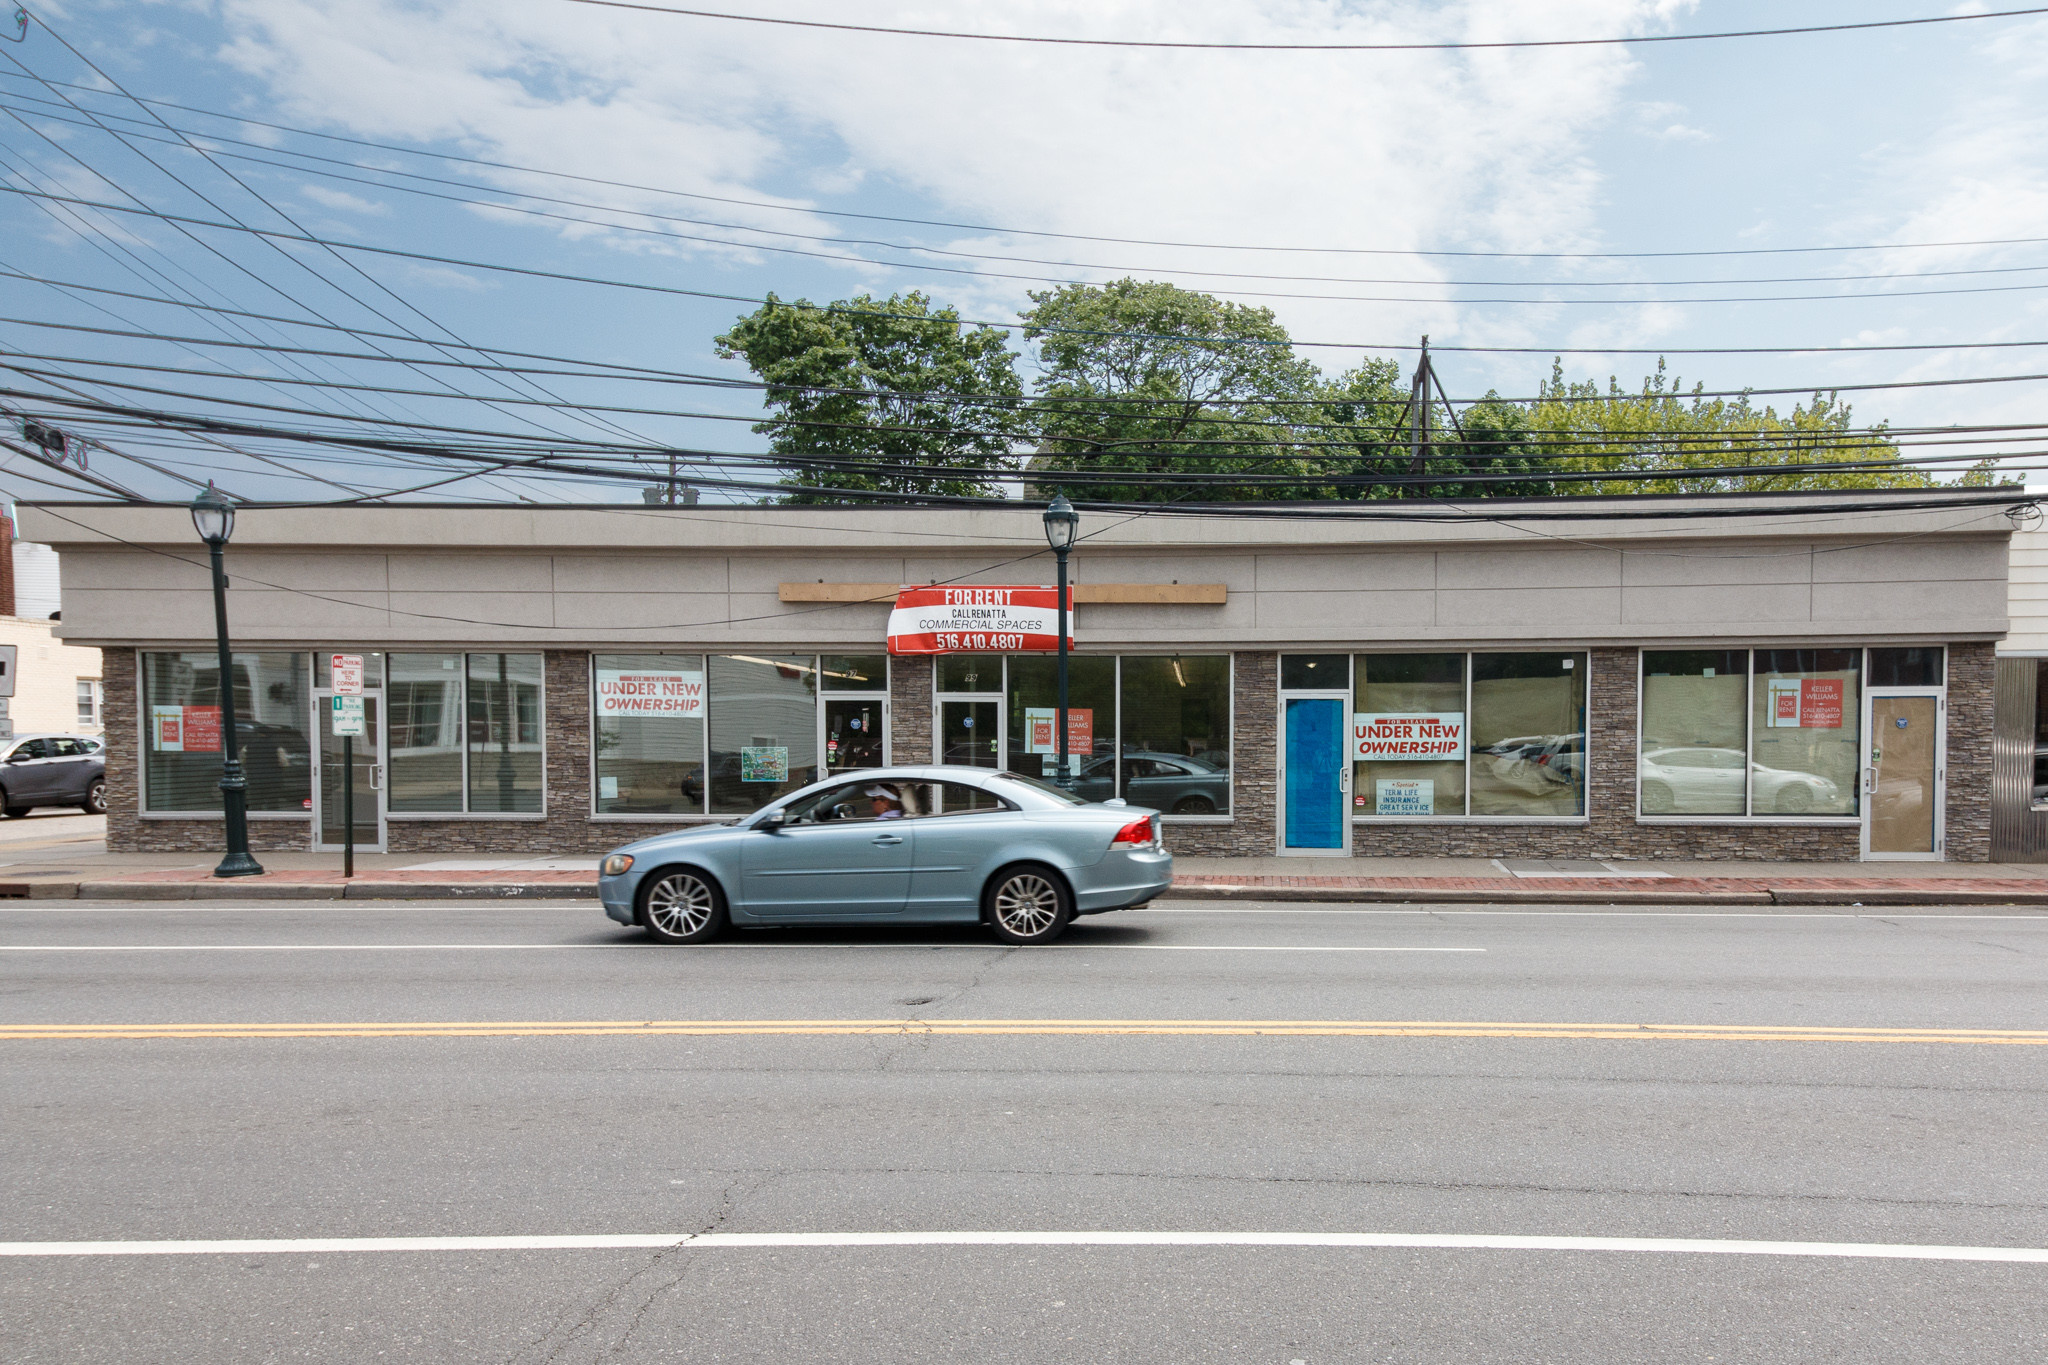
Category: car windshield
<point>1048,788</point>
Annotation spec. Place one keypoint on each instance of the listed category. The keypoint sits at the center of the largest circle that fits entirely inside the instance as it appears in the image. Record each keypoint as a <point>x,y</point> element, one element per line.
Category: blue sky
<point>1844,140</point>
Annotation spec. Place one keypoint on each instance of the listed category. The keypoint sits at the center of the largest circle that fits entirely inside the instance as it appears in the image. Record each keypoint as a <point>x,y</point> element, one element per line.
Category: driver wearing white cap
<point>885,801</point>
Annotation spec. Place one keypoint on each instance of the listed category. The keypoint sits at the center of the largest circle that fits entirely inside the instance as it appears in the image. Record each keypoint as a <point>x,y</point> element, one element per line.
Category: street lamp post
<point>213,516</point>
<point>1061,521</point>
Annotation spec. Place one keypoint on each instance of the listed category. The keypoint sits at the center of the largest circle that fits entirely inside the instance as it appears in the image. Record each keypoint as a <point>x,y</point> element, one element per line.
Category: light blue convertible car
<point>896,845</point>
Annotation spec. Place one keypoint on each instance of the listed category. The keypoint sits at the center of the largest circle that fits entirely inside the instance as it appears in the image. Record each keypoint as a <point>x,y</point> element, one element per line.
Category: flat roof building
<point>1797,676</point>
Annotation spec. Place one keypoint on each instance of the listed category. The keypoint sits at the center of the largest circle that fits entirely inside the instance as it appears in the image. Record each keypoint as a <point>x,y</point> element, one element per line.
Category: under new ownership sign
<point>978,621</point>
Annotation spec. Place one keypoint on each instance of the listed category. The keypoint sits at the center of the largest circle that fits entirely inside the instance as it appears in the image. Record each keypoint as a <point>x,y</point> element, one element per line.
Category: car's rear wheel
<point>1194,805</point>
<point>96,797</point>
<point>681,905</point>
<point>1027,903</point>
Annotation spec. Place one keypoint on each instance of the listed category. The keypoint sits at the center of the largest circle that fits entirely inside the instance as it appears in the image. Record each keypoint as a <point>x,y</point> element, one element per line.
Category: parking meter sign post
<point>345,671</point>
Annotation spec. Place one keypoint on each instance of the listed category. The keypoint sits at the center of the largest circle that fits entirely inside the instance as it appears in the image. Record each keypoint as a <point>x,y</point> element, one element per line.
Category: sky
<point>1573,201</point>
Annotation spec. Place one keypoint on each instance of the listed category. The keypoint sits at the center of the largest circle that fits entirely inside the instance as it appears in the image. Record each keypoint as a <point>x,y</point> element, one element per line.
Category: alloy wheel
<point>1027,905</point>
<point>681,905</point>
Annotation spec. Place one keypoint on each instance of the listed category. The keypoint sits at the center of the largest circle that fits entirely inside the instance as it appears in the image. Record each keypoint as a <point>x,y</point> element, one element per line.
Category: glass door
<point>1315,776</point>
<point>368,775</point>
<point>855,730</point>
<point>971,733</point>
<point>1902,786</point>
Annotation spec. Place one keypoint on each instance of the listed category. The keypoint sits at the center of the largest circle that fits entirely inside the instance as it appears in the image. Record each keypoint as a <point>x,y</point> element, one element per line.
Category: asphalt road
<point>489,1071</point>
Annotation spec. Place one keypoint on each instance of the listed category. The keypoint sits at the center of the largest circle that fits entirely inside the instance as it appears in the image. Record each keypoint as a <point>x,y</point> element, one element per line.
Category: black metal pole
<point>1065,773</point>
<point>348,801</point>
<point>234,787</point>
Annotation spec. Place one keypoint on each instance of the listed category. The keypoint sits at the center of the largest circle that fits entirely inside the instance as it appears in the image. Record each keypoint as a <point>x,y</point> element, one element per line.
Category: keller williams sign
<point>978,621</point>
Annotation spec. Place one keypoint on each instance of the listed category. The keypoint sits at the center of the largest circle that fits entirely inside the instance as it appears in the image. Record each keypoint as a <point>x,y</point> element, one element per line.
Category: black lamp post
<point>213,516</point>
<point>1061,522</point>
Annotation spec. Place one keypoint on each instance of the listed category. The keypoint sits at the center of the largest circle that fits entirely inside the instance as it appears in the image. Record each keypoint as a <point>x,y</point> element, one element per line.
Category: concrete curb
<point>465,891</point>
<point>1458,896</point>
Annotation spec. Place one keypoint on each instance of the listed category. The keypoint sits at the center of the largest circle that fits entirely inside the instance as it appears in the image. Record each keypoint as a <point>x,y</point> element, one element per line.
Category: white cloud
<point>342,199</point>
<point>1396,151</point>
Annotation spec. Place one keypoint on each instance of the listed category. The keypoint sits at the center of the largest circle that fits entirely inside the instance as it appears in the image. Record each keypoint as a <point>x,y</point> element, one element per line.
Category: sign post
<point>345,673</point>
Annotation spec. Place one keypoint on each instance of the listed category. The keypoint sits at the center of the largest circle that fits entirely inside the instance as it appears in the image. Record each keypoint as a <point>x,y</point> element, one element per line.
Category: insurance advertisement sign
<point>978,621</point>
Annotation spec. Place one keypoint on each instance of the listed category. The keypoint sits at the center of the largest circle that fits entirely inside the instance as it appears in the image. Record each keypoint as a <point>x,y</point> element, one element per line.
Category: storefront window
<point>1919,666</point>
<point>648,720</point>
<point>856,688</point>
<point>424,694</point>
<point>1804,724</point>
<point>1408,734</point>
<point>1033,696</point>
<point>1305,672</point>
<point>505,758</point>
<point>1175,741</point>
<point>970,673</point>
<point>182,741</point>
<point>1695,732</point>
<point>1528,734</point>
<point>764,729</point>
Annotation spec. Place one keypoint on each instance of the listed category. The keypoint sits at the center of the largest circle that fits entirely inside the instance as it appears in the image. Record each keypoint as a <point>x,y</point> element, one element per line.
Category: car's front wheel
<point>1027,904</point>
<point>681,905</point>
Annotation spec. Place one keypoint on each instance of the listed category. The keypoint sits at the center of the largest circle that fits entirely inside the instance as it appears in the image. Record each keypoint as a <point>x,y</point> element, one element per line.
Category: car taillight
<point>1136,832</point>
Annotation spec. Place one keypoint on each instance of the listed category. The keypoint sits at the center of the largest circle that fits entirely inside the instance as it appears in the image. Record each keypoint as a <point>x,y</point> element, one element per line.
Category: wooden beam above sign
<point>1149,594</point>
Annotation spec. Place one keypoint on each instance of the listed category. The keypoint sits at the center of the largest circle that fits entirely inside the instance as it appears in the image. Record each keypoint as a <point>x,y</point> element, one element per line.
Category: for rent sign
<point>1379,738</point>
<point>978,621</point>
<point>650,692</point>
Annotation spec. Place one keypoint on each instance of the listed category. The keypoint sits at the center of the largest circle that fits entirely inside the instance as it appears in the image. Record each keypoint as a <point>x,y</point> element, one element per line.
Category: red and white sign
<point>670,694</point>
<point>1041,727</point>
<point>1379,738</point>
<point>978,621</point>
<point>345,672</point>
<point>184,729</point>
<point>1804,704</point>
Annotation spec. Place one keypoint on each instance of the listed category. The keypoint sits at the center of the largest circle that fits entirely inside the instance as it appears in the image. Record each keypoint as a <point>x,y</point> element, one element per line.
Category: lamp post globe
<point>1061,523</point>
<point>213,517</point>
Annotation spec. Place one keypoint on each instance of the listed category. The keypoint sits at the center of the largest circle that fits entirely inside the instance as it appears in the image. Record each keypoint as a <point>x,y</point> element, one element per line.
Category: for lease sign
<point>1379,737</point>
<point>978,620</point>
<point>650,692</point>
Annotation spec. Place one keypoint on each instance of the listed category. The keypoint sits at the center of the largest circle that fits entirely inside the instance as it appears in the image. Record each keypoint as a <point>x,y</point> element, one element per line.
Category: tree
<point>1158,394</point>
<point>880,396</point>
<point>1663,430</point>
<point>1362,431</point>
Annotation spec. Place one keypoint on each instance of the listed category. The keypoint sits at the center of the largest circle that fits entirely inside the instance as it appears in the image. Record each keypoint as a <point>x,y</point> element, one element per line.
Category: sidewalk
<point>65,858</point>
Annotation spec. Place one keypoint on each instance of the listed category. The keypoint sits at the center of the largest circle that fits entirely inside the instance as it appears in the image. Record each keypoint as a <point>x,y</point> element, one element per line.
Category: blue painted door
<point>1315,773</point>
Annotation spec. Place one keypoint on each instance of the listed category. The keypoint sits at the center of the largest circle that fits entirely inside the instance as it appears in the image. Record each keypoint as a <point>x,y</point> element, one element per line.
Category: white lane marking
<point>1894,1251</point>
<point>642,947</point>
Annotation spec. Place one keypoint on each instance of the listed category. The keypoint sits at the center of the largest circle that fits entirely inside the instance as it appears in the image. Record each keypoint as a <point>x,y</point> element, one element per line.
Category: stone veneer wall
<point>910,709</point>
<point>1612,832</point>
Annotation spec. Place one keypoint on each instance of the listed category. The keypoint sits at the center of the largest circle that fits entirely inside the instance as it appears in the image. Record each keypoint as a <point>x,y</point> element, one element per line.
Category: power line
<point>966,255</point>
<point>1009,231</point>
<point>1310,47</point>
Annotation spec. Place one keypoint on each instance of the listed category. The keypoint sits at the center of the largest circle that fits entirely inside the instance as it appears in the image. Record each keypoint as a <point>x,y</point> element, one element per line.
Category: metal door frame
<point>999,700</point>
<point>380,761</point>
<point>881,701</point>
<point>1344,817</point>
<point>1866,774</point>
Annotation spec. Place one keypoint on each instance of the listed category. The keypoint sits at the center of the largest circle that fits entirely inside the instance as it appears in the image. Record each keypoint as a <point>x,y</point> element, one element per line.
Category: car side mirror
<point>772,820</point>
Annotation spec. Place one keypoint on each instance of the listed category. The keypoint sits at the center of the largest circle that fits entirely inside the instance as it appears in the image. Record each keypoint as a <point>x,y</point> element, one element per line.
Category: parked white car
<point>1709,781</point>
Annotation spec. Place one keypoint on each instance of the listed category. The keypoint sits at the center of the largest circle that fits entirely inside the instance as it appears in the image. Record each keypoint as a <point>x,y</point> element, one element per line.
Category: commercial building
<point>1783,676</point>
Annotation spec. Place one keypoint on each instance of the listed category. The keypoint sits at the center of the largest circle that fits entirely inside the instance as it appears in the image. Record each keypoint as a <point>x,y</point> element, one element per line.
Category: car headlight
<point>618,864</point>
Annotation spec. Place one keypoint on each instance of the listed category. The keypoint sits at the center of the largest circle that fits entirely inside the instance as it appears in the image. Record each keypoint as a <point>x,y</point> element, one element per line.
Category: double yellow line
<point>1014,1028</point>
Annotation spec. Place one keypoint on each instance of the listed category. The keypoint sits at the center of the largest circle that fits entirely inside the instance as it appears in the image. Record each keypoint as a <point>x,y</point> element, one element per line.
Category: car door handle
<point>887,839</point>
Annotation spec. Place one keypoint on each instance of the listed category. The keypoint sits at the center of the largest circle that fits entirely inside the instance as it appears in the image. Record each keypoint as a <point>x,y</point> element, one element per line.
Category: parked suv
<point>52,770</point>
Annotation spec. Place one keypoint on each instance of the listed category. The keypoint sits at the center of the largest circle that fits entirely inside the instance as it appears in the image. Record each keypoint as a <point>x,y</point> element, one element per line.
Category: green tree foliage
<point>1362,430</point>
<point>1148,379</point>
<point>864,418</point>
<point>1666,431</point>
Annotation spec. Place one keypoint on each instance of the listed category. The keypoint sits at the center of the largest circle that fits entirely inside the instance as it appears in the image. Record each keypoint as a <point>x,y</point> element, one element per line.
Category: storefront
<point>1783,677</point>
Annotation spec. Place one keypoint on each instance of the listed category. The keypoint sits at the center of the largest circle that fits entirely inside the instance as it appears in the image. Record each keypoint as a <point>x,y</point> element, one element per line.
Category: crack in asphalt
<point>911,1036</point>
